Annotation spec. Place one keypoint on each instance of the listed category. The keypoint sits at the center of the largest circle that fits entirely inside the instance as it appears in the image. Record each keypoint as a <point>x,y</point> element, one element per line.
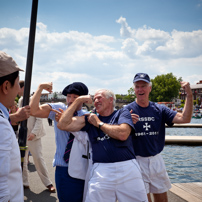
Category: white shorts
<point>120,181</point>
<point>154,174</point>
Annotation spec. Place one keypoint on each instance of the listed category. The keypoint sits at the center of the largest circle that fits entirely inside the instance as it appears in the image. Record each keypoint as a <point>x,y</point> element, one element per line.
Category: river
<point>184,163</point>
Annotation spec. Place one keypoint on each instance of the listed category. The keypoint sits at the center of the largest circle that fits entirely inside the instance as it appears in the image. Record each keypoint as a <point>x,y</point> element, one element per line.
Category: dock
<point>186,125</point>
<point>184,140</point>
<point>190,192</point>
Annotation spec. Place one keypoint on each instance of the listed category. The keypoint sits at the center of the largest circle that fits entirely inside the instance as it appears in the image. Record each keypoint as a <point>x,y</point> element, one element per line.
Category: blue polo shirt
<point>61,136</point>
<point>149,135</point>
<point>106,149</point>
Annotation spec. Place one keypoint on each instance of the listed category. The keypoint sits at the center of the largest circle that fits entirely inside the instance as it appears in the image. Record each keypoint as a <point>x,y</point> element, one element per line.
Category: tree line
<point>165,87</point>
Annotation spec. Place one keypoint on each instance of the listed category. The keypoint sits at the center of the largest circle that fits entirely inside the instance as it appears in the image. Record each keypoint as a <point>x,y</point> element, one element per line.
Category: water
<point>184,163</point>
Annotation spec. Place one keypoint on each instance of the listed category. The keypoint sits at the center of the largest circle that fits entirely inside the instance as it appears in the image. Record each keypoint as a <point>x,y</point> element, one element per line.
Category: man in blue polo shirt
<point>69,177</point>
<point>115,174</point>
<point>149,120</point>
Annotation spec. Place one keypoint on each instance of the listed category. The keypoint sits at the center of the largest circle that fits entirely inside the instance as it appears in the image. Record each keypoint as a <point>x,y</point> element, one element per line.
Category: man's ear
<point>6,87</point>
<point>111,99</point>
<point>150,88</point>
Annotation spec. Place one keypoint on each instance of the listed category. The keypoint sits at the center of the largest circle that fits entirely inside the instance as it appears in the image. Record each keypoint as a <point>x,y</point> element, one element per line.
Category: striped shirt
<point>61,137</point>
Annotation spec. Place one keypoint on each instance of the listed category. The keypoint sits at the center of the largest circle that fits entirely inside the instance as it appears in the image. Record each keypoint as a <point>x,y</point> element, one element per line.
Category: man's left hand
<point>31,136</point>
<point>93,119</point>
<point>186,87</point>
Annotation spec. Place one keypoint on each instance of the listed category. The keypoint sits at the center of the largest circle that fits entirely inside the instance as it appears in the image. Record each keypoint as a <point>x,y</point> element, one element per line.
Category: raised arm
<point>185,116</point>
<point>67,121</point>
<point>37,110</point>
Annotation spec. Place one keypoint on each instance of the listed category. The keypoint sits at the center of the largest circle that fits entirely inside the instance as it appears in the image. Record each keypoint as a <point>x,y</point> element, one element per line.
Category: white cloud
<point>130,47</point>
<point>125,30</point>
<point>104,61</point>
<point>182,44</point>
<point>160,44</point>
<point>147,33</point>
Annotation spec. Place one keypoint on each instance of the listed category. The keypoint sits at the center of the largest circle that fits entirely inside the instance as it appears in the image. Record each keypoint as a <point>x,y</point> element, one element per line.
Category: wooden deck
<point>186,125</point>
<point>190,192</point>
<point>184,140</point>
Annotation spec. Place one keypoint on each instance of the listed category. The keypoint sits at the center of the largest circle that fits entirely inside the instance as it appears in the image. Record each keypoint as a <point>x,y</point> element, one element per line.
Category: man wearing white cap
<point>149,120</point>
<point>11,187</point>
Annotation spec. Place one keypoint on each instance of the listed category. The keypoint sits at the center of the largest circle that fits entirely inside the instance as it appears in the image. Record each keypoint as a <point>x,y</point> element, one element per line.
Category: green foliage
<point>182,105</point>
<point>17,98</point>
<point>194,102</point>
<point>165,87</point>
<point>131,91</point>
<point>197,101</point>
<point>118,96</point>
<point>130,97</point>
<point>55,95</point>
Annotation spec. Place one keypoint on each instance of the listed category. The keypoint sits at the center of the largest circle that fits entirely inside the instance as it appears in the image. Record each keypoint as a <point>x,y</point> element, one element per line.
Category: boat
<point>197,115</point>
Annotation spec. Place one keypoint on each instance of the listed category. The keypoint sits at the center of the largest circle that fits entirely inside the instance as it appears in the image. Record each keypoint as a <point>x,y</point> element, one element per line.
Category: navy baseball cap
<point>141,77</point>
<point>77,88</point>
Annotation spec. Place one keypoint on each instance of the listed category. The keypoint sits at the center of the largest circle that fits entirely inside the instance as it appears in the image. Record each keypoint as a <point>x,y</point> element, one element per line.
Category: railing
<point>186,125</point>
<point>184,140</point>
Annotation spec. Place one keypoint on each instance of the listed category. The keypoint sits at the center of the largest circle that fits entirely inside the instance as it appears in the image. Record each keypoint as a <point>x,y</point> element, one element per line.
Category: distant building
<point>196,91</point>
<point>44,96</point>
<point>57,95</point>
<point>170,105</point>
<point>51,96</point>
<point>61,96</point>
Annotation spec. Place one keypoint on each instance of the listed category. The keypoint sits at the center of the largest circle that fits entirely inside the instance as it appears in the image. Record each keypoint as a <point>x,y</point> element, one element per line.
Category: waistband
<point>120,163</point>
<point>149,158</point>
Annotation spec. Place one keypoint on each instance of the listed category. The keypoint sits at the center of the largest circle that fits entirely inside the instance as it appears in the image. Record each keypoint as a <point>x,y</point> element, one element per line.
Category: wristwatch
<point>101,124</point>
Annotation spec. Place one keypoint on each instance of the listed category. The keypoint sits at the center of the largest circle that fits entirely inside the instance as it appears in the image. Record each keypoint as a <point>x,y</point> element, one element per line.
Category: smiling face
<point>142,90</point>
<point>103,105</point>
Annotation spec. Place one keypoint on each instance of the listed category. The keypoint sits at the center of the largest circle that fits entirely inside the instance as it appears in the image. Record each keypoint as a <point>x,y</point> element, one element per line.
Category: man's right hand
<point>86,99</point>
<point>134,117</point>
<point>46,86</point>
<point>23,113</point>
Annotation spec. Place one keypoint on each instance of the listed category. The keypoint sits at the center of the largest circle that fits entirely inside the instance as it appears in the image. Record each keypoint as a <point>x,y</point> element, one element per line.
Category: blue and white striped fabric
<point>61,137</point>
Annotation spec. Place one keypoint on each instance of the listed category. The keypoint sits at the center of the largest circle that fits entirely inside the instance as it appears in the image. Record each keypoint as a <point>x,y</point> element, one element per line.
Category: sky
<point>104,43</point>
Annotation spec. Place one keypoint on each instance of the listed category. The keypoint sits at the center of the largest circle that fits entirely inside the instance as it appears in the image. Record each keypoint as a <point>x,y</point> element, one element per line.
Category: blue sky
<point>104,43</point>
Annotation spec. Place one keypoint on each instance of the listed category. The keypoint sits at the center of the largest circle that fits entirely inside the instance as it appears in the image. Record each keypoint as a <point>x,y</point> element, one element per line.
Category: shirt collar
<point>4,110</point>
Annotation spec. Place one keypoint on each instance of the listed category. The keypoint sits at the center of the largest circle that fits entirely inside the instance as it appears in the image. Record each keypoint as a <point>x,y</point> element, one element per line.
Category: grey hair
<point>108,94</point>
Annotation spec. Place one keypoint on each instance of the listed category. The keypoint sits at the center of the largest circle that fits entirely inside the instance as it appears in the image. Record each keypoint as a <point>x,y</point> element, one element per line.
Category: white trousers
<point>120,181</point>
<point>35,147</point>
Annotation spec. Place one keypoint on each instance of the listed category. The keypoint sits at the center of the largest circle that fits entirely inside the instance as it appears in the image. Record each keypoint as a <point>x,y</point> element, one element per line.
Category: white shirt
<point>11,186</point>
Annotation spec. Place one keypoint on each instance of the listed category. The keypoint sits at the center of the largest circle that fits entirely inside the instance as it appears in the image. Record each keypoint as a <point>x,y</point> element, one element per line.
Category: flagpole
<point>28,75</point>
